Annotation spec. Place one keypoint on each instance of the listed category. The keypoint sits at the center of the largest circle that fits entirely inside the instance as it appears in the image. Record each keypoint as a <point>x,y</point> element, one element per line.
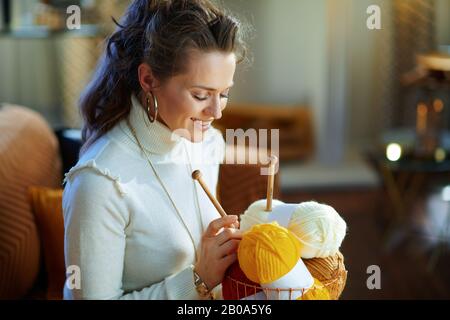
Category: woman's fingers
<point>228,248</point>
<point>227,234</point>
<point>218,249</point>
<point>228,260</point>
<point>215,225</point>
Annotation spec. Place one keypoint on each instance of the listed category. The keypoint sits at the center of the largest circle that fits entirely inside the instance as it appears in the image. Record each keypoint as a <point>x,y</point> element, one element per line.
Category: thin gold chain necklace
<point>167,192</point>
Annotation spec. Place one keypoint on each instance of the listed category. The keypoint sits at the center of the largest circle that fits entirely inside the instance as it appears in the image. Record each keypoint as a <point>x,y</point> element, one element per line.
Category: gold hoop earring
<point>155,105</point>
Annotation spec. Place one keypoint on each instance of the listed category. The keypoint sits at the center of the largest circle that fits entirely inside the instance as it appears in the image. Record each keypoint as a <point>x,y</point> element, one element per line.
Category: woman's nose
<point>215,109</point>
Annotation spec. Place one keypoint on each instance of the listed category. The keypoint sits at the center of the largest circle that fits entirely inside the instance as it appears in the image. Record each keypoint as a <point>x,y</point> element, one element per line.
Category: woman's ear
<point>146,78</point>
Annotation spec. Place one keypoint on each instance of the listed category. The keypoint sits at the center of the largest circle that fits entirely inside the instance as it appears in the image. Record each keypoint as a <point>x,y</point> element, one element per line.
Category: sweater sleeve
<point>95,220</point>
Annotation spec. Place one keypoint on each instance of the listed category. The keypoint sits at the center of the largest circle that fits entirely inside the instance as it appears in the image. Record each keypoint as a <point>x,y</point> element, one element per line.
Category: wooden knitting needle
<point>270,182</point>
<point>197,175</point>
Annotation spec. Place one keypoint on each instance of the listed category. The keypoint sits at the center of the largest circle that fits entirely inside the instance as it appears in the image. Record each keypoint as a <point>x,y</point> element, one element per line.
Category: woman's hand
<point>218,250</point>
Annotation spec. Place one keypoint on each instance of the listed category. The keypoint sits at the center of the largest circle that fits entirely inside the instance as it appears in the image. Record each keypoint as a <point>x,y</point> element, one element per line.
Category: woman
<point>136,224</point>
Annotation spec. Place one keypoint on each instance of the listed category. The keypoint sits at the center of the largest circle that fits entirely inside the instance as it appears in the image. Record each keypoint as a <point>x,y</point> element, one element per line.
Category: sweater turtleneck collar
<point>155,137</point>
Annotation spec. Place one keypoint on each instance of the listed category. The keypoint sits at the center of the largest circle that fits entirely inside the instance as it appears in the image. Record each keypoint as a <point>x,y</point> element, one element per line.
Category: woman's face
<point>188,103</point>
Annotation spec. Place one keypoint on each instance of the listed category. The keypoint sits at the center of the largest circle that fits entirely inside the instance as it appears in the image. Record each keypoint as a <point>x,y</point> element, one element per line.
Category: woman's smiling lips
<point>201,124</point>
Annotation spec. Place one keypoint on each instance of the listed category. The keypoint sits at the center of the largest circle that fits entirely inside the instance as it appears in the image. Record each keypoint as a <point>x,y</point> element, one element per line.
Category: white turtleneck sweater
<point>121,229</point>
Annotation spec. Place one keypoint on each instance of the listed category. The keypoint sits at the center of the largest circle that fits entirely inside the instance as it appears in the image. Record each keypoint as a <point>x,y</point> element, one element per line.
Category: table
<point>404,180</point>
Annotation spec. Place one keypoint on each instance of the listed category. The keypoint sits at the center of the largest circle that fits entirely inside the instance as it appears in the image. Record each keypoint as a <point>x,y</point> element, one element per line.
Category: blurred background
<point>364,119</point>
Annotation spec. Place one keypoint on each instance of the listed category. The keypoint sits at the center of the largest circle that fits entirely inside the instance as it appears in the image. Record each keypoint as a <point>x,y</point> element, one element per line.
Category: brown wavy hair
<point>160,33</point>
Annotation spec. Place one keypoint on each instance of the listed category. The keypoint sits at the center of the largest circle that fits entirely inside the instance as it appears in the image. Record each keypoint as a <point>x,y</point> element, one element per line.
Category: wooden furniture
<point>242,184</point>
<point>296,138</point>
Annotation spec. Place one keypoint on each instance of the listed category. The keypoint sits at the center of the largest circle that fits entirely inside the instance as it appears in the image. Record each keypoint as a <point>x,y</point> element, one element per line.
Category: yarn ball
<point>330,271</point>
<point>317,292</point>
<point>256,214</point>
<point>267,252</point>
<point>319,227</point>
<point>236,285</point>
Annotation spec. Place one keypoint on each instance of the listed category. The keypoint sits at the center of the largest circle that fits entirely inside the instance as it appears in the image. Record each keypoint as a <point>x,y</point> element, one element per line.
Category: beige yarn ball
<point>330,271</point>
<point>319,228</point>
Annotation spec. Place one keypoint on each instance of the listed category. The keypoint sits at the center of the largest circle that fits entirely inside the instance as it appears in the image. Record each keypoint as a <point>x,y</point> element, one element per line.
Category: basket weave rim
<point>326,283</point>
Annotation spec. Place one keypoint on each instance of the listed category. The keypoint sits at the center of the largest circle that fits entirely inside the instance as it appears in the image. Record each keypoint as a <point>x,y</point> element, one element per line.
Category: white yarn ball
<point>319,228</point>
<point>256,214</point>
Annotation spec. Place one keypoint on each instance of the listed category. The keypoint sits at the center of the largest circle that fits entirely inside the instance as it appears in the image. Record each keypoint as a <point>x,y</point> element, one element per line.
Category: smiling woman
<point>161,48</point>
<point>134,222</point>
<point>196,97</point>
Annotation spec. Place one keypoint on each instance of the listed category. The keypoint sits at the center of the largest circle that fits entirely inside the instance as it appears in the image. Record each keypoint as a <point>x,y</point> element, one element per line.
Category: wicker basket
<point>329,271</point>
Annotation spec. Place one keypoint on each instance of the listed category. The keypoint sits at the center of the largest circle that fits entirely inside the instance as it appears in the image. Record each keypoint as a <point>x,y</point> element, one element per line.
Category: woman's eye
<point>200,98</point>
<point>203,98</point>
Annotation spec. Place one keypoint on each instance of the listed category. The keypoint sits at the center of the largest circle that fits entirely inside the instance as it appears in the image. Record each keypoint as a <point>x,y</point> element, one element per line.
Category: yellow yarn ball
<point>267,252</point>
<point>317,292</point>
